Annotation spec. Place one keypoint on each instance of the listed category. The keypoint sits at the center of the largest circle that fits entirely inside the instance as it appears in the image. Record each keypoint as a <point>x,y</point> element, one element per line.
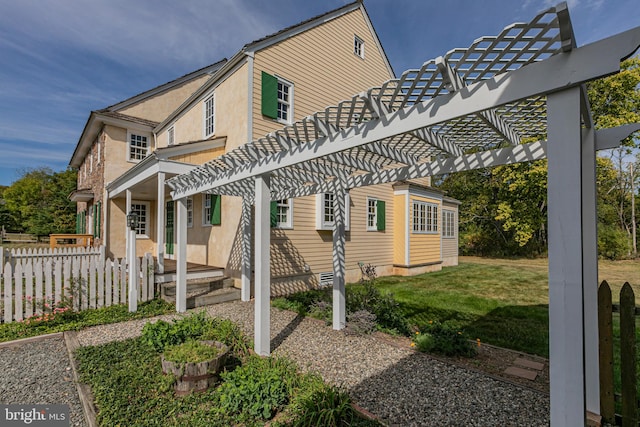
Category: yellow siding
<point>160,106</point>
<point>424,248</point>
<point>322,67</point>
<point>449,244</point>
<point>115,153</point>
<point>399,241</point>
<point>200,157</point>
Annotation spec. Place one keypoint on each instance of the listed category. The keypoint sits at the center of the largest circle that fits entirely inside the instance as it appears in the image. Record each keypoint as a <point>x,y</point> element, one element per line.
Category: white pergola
<point>472,108</point>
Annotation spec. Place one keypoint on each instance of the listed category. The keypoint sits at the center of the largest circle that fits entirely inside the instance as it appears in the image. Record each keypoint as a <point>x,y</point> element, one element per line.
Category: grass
<point>69,320</point>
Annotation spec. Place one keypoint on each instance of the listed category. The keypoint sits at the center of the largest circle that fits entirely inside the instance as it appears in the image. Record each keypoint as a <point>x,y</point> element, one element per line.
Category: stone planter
<point>196,377</point>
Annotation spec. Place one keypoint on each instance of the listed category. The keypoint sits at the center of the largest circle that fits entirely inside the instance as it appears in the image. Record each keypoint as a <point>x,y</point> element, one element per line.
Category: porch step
<point>202,291</point>
<point>216,296</point>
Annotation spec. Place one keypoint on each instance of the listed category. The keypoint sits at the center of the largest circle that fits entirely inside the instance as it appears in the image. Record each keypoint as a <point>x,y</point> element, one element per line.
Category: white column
<point>127,209</point>
<point>262,338</point>
<point>566,315</point>
<point>339,300</point>
<point>180,223</point>
<point>160,223</point>
<point>590,271</point>
<point>245,220</point>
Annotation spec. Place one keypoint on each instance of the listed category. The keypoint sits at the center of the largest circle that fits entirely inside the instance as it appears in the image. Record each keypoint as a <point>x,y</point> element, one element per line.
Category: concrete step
<point>200,299</point>
<point>196,286</point>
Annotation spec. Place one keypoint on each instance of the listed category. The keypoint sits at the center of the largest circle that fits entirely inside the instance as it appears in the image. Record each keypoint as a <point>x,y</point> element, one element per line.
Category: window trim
<point>189,204</point>
<point>142,134</point>
<point>358,42</point>
<point>205,128</point>
<point>289,224</point>
<point>445,224</point>
<point>373,227</point>
<point>206,216</point>
<point>147,224</point>
<point>321,224</point>
<point>289,103</point>
<point>430,222</point>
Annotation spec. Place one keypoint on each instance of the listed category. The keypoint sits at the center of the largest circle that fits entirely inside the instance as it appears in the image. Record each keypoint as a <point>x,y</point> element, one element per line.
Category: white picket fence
<point>21,255</point>
<point>34,286</point>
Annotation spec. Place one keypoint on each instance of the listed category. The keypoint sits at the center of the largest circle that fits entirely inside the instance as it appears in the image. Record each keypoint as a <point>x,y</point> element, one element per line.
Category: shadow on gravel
<point>420,391</point>
<point>286,331</point>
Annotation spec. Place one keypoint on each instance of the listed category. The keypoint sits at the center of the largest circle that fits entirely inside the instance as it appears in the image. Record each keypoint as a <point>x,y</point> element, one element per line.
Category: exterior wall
<point>115,153</point>
<point>157,108</point>
<point>322,67</point>
<point>200,157</point>
<point>424,248</point>
<point>400,229</point>
<point>91,176</point>
<point>450,245</point>
<point>118,230</point>
<point>230,114</point>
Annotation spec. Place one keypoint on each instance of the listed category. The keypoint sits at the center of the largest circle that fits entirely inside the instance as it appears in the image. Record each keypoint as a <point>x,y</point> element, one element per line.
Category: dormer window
<point>138,146</point>
<point>358,46</point>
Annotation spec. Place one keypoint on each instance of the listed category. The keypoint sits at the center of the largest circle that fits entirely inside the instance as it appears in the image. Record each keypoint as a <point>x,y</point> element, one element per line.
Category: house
<point>128,151</point>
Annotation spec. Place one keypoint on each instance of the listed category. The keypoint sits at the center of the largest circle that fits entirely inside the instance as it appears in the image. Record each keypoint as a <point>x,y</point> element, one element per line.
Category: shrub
<point>386,309</point>
<point>327,406</point>
<point>444,339</point>
<point>190,352</point>
<point>228,333</point>
<point>162,334</point>
<point>361,322</point>
<point>321,310</point>
<point>259,388</point>
<point>613,243</point>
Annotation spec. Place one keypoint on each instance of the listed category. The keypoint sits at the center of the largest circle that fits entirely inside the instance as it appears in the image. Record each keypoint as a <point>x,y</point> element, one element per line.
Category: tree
<point>39,201</point>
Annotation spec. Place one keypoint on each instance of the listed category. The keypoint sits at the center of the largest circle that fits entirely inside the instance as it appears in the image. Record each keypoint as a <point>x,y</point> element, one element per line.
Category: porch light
<point>132,220</point>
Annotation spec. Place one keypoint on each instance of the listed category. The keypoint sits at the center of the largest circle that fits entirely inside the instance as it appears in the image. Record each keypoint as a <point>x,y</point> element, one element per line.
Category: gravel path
<point>39,373</point>
<point>402,387</point>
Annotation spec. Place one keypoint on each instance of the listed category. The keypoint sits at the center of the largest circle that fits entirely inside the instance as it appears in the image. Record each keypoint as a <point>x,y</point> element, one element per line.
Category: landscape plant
<point>190,352</point>
<point>442,338</point>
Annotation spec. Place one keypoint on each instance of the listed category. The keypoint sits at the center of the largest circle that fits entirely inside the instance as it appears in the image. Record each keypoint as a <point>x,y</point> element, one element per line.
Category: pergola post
<point>567,255</point>
<point>590,271</point>
<point>262,338</point>
<point>181,254</point>
<point>160,223</point>
<point>245,220</point>
<point>339,299</point>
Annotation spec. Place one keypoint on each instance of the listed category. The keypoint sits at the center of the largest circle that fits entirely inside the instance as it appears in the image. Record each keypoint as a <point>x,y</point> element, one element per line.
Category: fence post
<point>605,328</point>
<point>628,356</point>
<point>8,293</point>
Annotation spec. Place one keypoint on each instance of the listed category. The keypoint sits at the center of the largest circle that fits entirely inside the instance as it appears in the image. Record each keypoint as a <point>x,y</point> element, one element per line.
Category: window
<point>142,210</point>
<point>325,217</point>
<point>282,213</point>
<point>189,212</point>
<point>211,209</point>
<point>425,217</point>
<point>171,136</point>
<point>209,116</point>
<point>358,46</point>
<point>375,215</point>
<point>277,98</point>
<point>138,146</point>
<point>448,223</point>
<point>284,101</point>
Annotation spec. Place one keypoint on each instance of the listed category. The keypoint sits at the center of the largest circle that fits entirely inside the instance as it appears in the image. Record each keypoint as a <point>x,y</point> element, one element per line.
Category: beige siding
<point>400,229</point>
<point>322,67</point>
<point>230,114</point>
<point>160,106</point>
<point>424,248</point>
<point>450,244</point>
<point>200,157</point>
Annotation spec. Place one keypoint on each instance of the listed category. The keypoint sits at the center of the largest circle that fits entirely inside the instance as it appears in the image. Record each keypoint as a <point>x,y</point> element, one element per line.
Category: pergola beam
<point>555,73</point>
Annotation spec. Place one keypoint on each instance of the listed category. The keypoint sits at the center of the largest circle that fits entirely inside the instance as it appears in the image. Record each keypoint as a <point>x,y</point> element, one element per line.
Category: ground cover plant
<point>66,319</point>
<point>129,387</point>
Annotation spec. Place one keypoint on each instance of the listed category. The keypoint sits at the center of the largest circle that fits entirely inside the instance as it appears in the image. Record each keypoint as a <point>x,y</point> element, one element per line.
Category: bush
<point>444,339</point>
<point>162,334</point>
<point>613,243</point>
<point>361,322</point>
<point>383,305</point>
<point>327,406</point>
<point>190,352</point>
<point>258,389</point>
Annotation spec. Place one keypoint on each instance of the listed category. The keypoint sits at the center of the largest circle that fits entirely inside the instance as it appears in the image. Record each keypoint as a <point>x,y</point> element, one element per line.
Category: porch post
<point>339,300</point>
<point>246,250</point>
<point>262,321</point>
<point>566,260</point>
<point>160,223</point>
<point>181,254</point>
<point>127,208</point>
<point>590,271</point>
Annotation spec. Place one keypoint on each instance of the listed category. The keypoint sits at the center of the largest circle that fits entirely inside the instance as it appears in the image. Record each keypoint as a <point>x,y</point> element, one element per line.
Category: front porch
<point>194,271</point>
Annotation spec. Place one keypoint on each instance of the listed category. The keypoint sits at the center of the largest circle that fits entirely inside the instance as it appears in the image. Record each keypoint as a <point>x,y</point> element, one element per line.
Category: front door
<point>169,228</point>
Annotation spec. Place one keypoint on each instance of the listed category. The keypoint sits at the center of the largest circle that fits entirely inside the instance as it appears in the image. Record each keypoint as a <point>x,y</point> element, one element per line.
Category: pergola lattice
<point>472,108</point>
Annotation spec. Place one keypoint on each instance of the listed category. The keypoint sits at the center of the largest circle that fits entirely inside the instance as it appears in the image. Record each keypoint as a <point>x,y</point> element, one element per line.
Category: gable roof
<point>264,42</point>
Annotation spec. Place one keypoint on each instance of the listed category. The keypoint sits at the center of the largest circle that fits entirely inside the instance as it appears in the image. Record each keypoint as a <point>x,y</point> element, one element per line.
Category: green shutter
<point>274,214</point>
<point>83,219</point>
<point>381,215</point>
<point>216,209</point>
<point>269,95</point>
<point>78,223</point>
<point>97,220</point>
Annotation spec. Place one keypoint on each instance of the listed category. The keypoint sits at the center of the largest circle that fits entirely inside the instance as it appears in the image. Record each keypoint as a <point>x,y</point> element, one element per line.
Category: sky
<point>61,59</point>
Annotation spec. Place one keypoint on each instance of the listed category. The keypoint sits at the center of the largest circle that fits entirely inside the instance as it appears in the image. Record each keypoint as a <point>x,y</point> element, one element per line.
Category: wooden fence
<point>23,255</point>
<point>33,287</point>
<point>628,362</point>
